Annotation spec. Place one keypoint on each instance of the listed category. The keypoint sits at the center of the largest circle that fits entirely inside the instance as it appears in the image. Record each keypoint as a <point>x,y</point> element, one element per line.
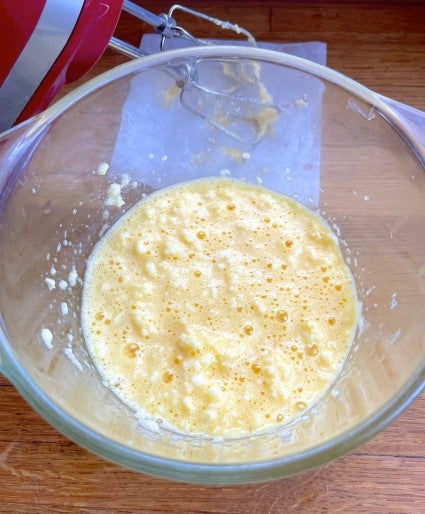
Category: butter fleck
<point>47,338</point>
<point>51,284</point>
<point>102,168</point>
<point>63,284</point>
<point>64,308</point>
<point>72,277</point>
<point>114,197</point>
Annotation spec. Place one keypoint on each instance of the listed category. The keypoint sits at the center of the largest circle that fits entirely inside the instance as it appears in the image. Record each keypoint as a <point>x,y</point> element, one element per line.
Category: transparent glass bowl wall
<point>330,148</point>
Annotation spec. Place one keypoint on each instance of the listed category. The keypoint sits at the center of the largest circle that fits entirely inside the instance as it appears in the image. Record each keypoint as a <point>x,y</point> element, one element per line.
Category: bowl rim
<point>194,471</point>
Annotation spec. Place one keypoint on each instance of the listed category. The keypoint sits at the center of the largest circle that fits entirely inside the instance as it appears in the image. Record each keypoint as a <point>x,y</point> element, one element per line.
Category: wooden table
<point>382,45</point>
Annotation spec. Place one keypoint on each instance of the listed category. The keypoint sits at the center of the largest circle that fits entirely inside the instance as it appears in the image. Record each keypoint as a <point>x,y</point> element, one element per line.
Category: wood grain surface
<point>382,45</point>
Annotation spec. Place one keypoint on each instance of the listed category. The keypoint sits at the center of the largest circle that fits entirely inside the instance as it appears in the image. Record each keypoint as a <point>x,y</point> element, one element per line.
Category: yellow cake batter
<point>218,307</point>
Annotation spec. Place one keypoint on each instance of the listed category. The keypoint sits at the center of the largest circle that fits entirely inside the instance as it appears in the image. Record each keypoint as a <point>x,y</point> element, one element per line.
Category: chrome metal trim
<point>126,49</point>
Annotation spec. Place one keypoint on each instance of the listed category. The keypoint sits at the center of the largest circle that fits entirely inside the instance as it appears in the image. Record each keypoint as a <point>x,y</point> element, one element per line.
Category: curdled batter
<point>218,307</point>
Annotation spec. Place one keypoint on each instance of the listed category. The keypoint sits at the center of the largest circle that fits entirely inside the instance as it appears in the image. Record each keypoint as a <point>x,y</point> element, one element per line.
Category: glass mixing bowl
<point>339,148</point>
